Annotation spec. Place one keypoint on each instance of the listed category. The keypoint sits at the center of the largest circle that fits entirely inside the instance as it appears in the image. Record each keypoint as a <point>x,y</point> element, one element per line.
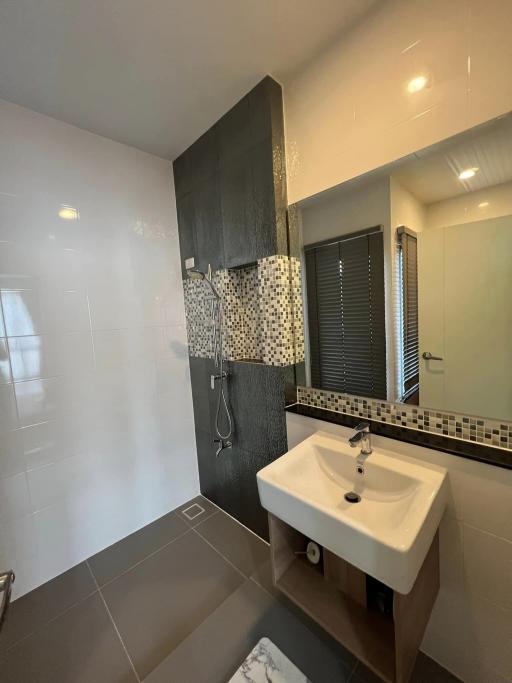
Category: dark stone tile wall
<point>232,210</point>
<point>231,185</point>
<point>256,394</point>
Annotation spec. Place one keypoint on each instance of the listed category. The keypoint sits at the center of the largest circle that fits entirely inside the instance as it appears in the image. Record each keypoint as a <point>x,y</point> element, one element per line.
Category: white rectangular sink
<point>387,533</point>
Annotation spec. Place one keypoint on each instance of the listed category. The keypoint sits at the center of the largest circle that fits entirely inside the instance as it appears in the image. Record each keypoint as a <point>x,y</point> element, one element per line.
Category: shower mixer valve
<point>222,444</point>
<point>213,379</point>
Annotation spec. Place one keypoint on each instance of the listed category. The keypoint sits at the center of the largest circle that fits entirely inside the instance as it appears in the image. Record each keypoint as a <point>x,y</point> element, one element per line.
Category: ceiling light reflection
<point>68,213</point>
<point>417,83</point>
<point>468,173</point>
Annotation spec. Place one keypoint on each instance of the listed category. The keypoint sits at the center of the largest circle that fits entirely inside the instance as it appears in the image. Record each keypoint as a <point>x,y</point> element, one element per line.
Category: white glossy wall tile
<point>470,630</point>
<point>96,423</point>
<point>349,110</point>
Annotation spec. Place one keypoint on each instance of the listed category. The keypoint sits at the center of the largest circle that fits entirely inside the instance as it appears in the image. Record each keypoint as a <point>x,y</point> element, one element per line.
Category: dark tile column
<point>231,200</point>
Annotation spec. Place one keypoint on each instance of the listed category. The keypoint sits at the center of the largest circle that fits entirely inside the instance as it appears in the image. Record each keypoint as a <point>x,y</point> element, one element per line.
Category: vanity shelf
<point>334,594</point>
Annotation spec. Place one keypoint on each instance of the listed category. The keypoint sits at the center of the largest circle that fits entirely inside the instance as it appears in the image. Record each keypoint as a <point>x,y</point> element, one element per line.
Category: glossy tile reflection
<point>92,447</point>
<point>21,312</point>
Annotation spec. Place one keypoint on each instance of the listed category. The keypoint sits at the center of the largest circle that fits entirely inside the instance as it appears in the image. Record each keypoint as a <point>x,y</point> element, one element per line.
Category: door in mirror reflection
<point>465,316</point>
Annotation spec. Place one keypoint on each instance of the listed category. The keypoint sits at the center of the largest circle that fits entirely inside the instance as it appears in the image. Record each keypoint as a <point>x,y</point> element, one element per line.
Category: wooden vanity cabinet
<point>335,594</point>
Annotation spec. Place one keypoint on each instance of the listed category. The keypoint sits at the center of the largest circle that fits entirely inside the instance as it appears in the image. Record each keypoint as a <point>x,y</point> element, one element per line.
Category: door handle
<point>428,356</point>
<point>6,581</point>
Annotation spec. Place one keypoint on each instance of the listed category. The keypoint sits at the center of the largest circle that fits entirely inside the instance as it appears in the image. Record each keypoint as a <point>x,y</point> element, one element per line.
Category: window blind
<point>346,314</point>
<point>408,246</point>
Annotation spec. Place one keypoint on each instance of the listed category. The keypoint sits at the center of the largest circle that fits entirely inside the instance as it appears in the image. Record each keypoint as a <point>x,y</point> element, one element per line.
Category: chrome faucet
<point>362,436</point>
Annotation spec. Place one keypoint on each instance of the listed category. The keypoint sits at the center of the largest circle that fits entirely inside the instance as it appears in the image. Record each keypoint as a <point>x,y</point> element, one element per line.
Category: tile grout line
<point>249,578</point>
<point>97,588</point>
<point>51,620</point>
<point>483,531</point>
<point>146,557</point>
<point>352,675</point>
<point>265,590</point>
<point>137,677</point>
<point>234,519</point>
<point>239,571</point>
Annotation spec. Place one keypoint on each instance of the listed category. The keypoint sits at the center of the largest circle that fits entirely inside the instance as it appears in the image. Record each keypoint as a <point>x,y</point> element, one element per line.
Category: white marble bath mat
<point>267,664</point>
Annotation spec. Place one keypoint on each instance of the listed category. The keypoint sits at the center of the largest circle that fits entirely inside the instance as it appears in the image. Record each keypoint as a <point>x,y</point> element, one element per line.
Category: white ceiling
<point>156,74</point>
<point>433,173</point>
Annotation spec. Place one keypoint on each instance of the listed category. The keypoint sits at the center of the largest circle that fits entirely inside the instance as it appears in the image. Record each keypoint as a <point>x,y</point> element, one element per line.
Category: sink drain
<point>352,497</point>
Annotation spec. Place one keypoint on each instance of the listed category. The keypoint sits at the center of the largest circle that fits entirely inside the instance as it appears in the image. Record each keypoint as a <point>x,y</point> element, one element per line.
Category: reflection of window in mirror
<point>346,313</point>
<point>409,365</point>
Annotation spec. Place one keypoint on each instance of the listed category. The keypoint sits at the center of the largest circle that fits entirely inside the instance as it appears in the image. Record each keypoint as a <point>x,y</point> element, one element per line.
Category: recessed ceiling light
<point>482,205</point>
<point>468,173</point>
<point>417,83</point>
<point>68,213</point>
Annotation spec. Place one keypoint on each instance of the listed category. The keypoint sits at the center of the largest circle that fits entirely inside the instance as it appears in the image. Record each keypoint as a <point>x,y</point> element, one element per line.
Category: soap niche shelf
<point>381,627</point>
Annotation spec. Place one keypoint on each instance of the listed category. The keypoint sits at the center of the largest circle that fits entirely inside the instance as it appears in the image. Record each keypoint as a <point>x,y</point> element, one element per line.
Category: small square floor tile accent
<point>193,511</point>
<point>196,511</point>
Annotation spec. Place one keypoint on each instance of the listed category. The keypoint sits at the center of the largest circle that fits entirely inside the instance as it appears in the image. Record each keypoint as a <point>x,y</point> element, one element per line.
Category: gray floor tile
<point>252,557</point>
<point>196,510</point>
<point>80,646</point>
<point>158,603</point>
<point>425,671</point>
<point>241,547</point>
<point>342,653</point>
<point>214,651</point>
<point>28,613</point>
<point>363,675</point>
<point>428,671</point>
<point>119,557</point>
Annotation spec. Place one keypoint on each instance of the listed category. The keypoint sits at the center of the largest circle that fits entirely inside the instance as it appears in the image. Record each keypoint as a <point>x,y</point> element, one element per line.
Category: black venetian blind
<point>346,315</point>
<point>408,246</point>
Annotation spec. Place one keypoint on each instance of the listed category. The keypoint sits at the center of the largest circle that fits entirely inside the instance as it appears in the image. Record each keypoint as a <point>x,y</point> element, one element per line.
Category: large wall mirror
<point>408,278</point>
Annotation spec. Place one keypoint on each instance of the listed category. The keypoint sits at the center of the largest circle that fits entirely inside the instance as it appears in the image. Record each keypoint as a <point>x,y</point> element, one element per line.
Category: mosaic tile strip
<point>456,425</point>
<point>262,312</point>
<point>198,317</point>
<point>281,310</point>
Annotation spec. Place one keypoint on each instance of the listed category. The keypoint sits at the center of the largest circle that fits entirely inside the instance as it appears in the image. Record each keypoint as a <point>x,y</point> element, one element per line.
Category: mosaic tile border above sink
<point>497,433</point>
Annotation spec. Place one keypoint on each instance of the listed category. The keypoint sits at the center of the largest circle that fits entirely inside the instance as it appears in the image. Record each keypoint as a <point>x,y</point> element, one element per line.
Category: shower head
<point>195,274</point>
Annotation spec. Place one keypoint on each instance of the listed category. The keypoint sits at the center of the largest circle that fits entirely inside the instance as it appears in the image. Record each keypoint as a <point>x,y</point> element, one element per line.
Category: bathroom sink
<point>387,533</point>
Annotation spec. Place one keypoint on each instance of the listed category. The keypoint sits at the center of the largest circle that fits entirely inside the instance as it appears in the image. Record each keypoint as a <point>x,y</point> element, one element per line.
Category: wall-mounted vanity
<point>407,275</point>
<point>378,575</point>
